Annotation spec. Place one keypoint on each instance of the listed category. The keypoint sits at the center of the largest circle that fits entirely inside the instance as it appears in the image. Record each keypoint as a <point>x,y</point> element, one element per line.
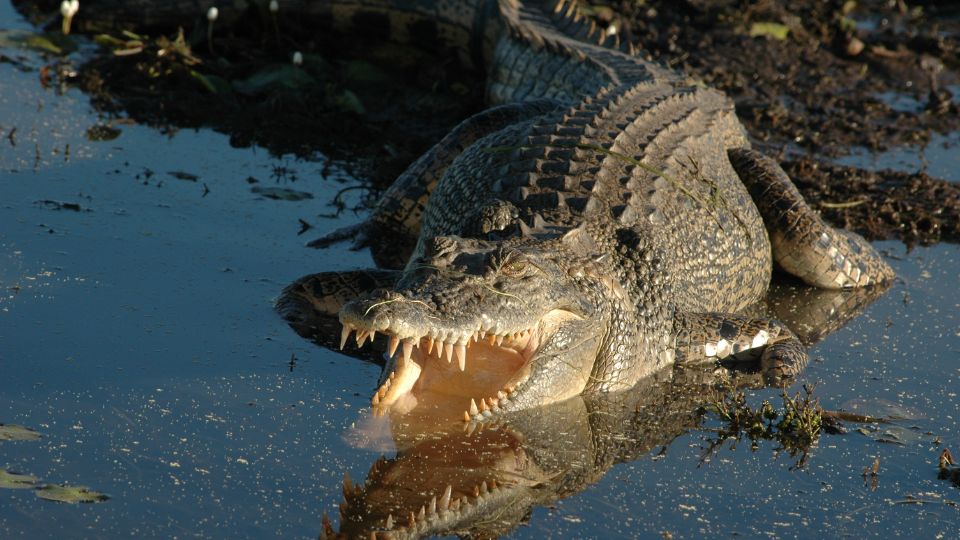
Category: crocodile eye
<point>514,268</point>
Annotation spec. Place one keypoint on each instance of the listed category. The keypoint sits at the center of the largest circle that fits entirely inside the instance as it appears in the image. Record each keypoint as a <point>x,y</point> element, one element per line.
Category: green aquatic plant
<point>796,425</point>
<point>70,494</point>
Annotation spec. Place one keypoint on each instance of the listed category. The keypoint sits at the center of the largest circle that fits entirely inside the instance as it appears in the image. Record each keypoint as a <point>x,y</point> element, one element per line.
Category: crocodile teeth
<point>327,527</point>
<point>407,349</point>
<point>422,514</point>
<point>448,351</point>
<point>433,506</point>
<point>444,501</point>
<point>499,340</point>
<point>483,487</point>
<point>461,351</point>
<point>439,350</point>
<point>389,524</point>
<point>429,345</point>
<point>473,408</point>
<point>532,344</point>
<point>344,335</point>
<point>394,343</point>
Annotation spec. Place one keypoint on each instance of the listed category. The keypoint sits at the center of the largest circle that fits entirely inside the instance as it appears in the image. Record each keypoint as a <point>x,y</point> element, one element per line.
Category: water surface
<point>137,335</point>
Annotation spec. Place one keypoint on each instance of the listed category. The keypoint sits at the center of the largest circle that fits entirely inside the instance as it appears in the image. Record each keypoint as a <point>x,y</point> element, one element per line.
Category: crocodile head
<point>492,325</point>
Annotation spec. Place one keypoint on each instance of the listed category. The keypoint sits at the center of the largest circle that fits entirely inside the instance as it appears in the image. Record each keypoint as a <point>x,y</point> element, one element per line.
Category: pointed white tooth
<point>344,335</point>
<point>429,345</point>
<point>444,501</point>
<point>483,487</point>
<point>361,337</point>
<point>439,350</point>
<point>422,514</point>
<point>433,505</point>
<point>389,524</point>
<point>394,343</point>
<point>473,408</point>
<point>448,351</point>
<point>499,340</point>
<point>372,335</point>
<point>461,351</point>
<point>407,349</point>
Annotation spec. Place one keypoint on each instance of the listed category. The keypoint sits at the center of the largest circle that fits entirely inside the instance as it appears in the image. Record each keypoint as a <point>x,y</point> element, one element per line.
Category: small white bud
<point>212,14</point>
<point>612,30</point>
<point>274,6</point>
<point>297,58</point>
<point>69,8</point>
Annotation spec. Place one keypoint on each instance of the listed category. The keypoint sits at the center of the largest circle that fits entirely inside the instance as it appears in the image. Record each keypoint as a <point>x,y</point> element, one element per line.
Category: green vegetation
<point>796,425</point>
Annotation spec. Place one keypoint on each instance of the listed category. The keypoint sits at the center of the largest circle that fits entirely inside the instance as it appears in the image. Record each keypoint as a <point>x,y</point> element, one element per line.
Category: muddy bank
<point>813,80</point>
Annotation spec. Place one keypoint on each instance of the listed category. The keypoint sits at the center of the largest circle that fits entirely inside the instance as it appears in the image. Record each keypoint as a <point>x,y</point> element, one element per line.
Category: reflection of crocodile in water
<point>483,483</point>
<point>605,219</point>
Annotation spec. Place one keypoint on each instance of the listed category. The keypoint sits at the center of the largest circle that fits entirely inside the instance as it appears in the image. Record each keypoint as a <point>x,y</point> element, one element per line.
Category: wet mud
<point>813,81</point>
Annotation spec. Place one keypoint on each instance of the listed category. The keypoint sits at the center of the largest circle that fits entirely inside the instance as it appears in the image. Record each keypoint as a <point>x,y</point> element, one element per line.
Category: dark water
<point>137,335</point>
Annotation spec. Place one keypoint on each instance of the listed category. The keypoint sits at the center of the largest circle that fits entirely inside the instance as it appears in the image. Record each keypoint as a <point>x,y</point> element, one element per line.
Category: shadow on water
<point>137,272</point>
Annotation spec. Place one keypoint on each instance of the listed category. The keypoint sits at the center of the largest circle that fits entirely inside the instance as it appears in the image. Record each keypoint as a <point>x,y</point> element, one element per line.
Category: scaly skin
<point>484,479</point>
<point>604,220</point>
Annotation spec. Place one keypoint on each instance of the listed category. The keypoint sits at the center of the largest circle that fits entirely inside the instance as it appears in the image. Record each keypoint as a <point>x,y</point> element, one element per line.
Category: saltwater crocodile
<point>605,219</point>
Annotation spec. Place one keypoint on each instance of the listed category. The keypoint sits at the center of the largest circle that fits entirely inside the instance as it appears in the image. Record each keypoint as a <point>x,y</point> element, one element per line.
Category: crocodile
<point>606,218</point>
<point>482,480</point>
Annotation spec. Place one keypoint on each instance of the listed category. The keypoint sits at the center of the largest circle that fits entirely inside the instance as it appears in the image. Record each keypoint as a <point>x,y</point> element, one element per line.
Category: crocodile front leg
<point>712,337</point>
<point>803,244</point>
<point>392,230</point>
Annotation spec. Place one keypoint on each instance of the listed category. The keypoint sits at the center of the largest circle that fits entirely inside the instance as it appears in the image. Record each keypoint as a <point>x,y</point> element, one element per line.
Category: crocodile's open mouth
<point>480,369</point>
